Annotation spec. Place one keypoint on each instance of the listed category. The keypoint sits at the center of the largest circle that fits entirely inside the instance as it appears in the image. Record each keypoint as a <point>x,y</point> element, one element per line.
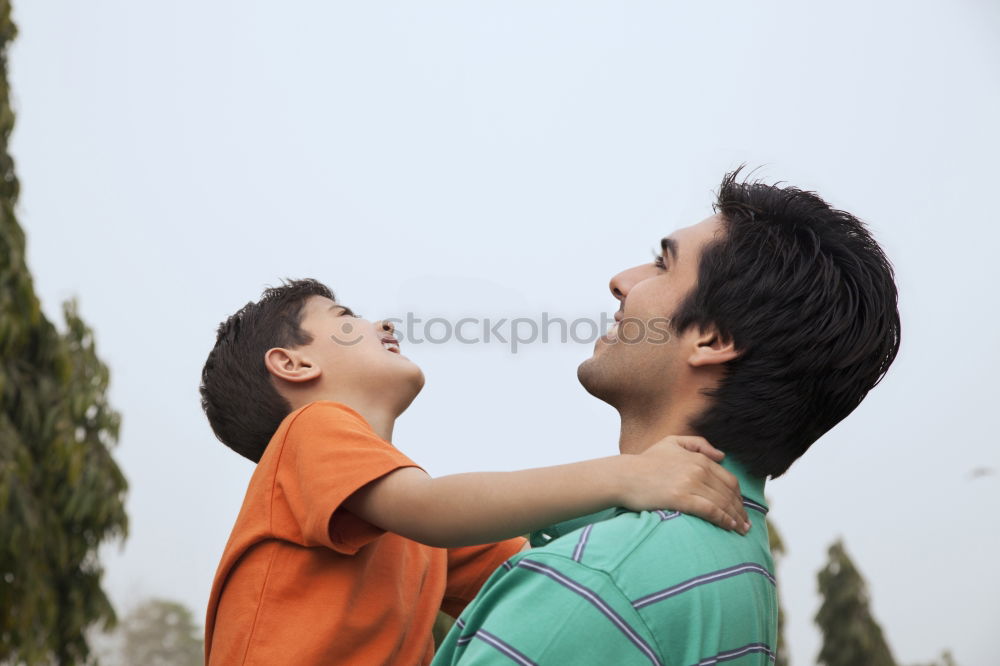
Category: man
<point>782,316</point>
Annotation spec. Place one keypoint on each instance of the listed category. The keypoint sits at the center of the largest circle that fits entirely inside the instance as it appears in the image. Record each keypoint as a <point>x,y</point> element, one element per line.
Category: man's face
<point>357,356</point>
<point>641,358</point>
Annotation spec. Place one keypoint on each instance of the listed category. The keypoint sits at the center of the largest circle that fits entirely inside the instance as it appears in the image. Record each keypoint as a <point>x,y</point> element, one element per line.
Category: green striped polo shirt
<point>620,587</point>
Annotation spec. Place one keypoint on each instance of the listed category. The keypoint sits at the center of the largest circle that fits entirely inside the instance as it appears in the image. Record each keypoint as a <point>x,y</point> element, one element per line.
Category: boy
<point>344,549</point>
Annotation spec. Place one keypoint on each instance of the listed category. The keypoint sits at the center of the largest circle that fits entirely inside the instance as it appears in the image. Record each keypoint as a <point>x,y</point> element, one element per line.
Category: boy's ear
<point>711,348</point>
<point>290,365</point>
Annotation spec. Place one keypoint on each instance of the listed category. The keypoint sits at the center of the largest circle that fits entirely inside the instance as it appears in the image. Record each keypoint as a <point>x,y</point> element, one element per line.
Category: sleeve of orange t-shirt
<point>468,569</point>
<point>330,452</point>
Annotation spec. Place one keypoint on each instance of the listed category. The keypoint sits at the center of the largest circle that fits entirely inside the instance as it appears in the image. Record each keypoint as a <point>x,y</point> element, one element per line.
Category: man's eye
<point>347,312</point>
<point>658,261</point>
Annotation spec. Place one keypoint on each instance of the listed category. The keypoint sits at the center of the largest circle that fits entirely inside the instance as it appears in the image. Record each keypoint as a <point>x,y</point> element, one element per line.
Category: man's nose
<point>387,326</point>
<point>622,283</point>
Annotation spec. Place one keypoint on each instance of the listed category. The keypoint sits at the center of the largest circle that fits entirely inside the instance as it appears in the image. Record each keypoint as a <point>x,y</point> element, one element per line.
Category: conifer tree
<point>777,552</point>
<point>61,493</point>
<point>851,635</point>
<point>161,632</point>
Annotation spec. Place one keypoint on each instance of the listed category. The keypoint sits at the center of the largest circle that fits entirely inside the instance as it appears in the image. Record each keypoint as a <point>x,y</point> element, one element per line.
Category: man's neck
<point>639,431</point>
<point>645,426</point>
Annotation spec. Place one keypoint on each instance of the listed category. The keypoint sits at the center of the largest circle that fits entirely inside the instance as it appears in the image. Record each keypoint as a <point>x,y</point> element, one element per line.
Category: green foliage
<point>945,660</point>
<point>161,633</point>
<point>61,493</point>
<point>442,625</point>
<point>777,545</point>
<point>851,634</point>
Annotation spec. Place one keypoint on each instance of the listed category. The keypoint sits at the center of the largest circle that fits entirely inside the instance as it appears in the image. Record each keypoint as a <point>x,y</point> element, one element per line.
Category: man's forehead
<point>694,236</point>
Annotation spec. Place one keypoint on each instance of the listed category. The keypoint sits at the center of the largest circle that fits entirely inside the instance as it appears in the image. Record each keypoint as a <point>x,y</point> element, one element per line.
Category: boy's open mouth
<point>390,343</point>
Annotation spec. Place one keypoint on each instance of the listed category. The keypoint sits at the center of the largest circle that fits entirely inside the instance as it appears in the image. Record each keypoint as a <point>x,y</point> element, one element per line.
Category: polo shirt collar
<point>751,487</point>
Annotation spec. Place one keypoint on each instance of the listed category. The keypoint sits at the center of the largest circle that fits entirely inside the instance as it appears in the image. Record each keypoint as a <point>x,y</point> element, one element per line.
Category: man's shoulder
<point>641,550</point>
<point>630,535</point>
<point>618,584</point>
<point>669,568</point>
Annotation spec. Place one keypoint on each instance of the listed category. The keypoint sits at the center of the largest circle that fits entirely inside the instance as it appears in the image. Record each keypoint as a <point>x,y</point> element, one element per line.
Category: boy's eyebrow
<point>669,245</point>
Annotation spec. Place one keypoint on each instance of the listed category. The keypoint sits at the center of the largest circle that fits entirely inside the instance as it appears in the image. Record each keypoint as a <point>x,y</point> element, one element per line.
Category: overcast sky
<point>506,159</point>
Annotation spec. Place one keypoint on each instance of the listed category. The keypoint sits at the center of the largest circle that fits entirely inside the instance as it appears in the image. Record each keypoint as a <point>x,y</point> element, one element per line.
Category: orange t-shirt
<point>303,583</point>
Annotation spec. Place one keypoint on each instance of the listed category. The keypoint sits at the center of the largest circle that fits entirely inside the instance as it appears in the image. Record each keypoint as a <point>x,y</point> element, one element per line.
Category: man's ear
<point>711,348</point>
<point>290,365</point>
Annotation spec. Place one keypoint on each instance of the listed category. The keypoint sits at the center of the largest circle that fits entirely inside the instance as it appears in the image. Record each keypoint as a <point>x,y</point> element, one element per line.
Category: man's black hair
<point>809,300</point>
<point>242,404</point>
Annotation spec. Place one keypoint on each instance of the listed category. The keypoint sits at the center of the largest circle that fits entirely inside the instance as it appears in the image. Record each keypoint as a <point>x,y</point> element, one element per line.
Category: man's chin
<point>590,375</point>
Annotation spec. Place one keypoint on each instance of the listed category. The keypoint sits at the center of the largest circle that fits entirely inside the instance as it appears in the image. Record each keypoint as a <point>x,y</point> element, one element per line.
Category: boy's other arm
<point>678,473</point>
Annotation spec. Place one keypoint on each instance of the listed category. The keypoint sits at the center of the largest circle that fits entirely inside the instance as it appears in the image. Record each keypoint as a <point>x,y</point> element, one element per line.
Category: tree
<point>61,493</point>
<point>161,633</point>
<point>851,635</point>
<point>945,660</point>
<point>442,625</point>
<point>777,552</point>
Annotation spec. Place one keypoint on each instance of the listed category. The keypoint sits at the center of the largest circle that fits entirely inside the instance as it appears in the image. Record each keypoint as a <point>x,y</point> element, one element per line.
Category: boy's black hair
<point>808,298</point>
<point>242,404</point>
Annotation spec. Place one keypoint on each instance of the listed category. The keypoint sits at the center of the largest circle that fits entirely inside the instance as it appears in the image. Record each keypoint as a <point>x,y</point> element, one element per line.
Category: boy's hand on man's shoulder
<point>682,473</point>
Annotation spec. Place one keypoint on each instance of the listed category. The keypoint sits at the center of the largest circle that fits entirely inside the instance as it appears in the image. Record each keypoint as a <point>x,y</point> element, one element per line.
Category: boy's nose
<point>387,326</point>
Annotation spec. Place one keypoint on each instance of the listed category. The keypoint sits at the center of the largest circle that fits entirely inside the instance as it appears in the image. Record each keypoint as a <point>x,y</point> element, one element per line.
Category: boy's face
<point>357,359</point>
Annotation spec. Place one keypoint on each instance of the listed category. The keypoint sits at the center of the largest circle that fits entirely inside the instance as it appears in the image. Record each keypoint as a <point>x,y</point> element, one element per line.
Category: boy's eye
<point>347,312</point>
<point>658,261</point>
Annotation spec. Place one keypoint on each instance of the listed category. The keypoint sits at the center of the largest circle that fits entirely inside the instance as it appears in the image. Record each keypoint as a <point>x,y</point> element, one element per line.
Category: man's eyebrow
<point>669,245</point>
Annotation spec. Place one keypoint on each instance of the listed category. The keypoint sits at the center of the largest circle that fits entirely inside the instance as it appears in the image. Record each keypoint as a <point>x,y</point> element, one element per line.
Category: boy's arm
<point>463,509</point>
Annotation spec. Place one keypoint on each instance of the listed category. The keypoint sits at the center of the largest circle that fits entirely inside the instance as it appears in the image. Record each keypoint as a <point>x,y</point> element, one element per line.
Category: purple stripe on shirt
<point>507,650</point>
<point>462,640</point>
<point>722,574</point>
<point>582,543</point>
<point>737,653</point>
<point>749,503</point>
<point>597,602</point>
